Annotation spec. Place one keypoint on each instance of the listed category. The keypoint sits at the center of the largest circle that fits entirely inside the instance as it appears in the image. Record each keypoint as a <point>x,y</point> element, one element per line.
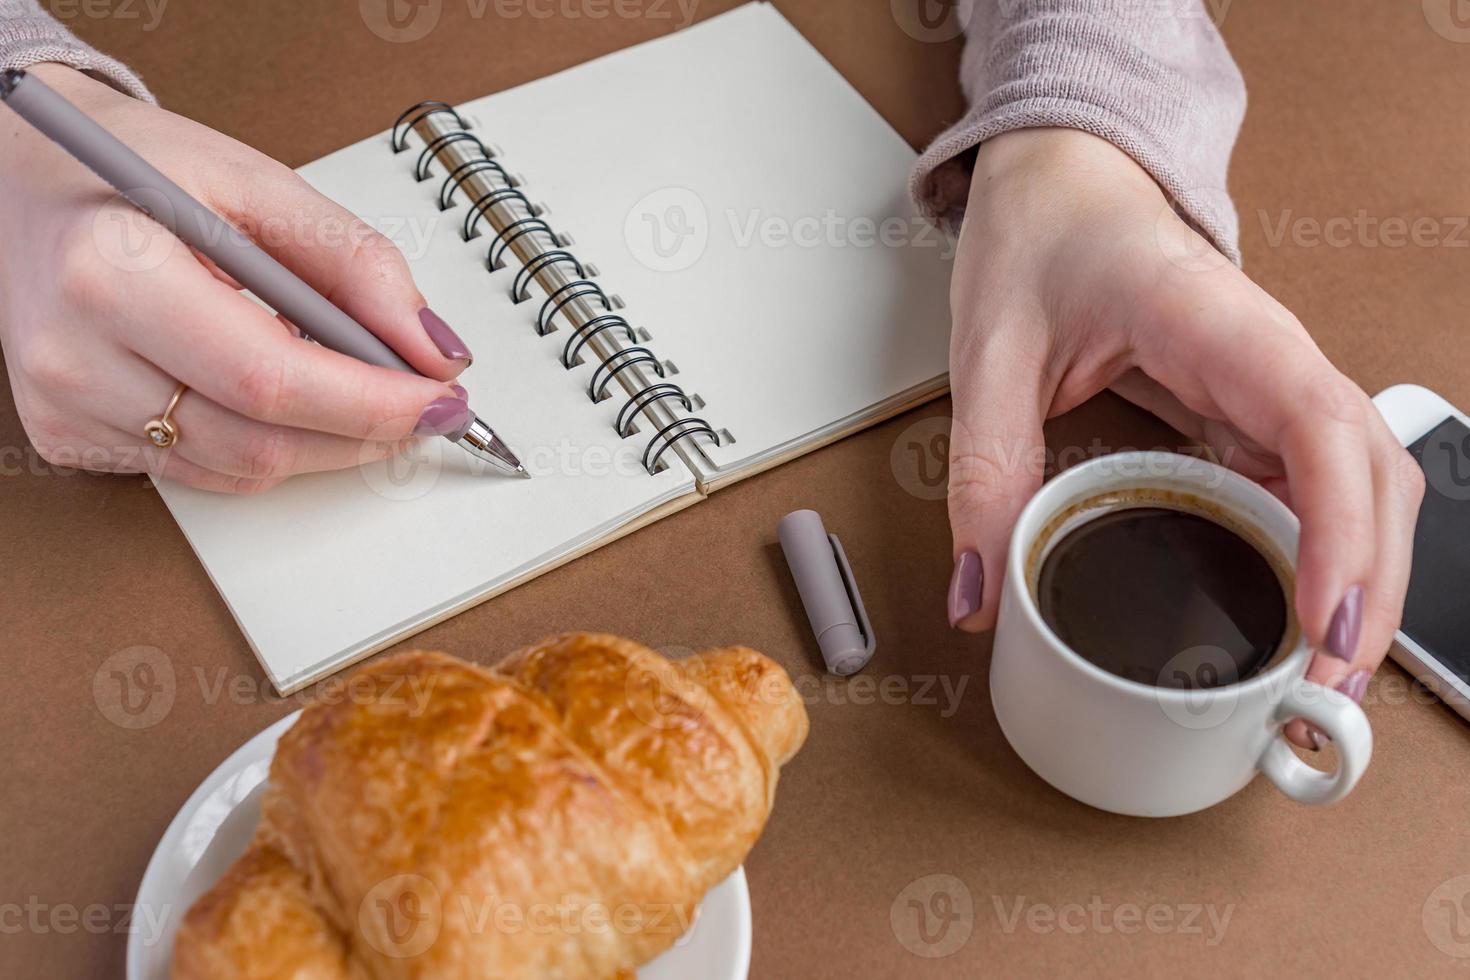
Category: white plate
<point>214,826</point>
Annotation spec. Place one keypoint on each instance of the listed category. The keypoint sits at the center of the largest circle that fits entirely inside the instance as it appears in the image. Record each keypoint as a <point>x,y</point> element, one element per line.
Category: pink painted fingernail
<point>1354,685</point>
<point>444,337</point>
<point>444,416</point>
<point>965,584</point>
<point>460,391</point>
<point>1347,623</point>
<point>1317,737</point>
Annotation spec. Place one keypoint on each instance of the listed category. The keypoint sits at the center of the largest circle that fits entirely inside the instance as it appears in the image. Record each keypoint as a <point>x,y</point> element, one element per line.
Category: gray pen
<point>196,225</point>
<point>829,593</point>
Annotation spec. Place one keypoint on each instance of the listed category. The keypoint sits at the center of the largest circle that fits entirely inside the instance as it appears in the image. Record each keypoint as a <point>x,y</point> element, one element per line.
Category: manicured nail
<point>460,391</point>
<point>1354,685</point>
<point>964,586</point>
<point>444,337</point>
<point>1316,736</point>
<point>1347,622</point>
<point>443,416</point>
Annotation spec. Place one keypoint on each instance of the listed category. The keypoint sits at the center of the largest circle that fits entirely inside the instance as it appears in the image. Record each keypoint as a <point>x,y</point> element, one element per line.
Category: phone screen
<point>1437,611</point>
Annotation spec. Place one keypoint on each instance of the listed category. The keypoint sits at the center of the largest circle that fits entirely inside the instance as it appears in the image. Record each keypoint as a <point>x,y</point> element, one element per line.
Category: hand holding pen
<point>119,339</point>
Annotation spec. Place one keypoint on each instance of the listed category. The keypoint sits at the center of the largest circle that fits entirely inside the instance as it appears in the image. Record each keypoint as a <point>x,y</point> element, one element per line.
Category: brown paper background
<point>1357,104</point>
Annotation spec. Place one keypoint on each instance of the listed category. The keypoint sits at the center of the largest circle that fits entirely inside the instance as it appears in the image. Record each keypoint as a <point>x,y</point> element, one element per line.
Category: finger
<point>225,442</point>
<point>229,443</point>
<point>1325,448</point>
<point>996,463</point>
<point>1323,443</point>
<point>197,329</point>
<point>344,259</point>
<point>1399,490</point>
<point>171,465</point>
<point>181,470</point>
<point>1281,393</point>
<point>215,270</point>
<point>1284,395</point>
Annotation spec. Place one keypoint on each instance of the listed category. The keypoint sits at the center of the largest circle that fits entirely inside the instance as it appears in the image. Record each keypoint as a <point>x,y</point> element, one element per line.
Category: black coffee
<point>1164,597</point>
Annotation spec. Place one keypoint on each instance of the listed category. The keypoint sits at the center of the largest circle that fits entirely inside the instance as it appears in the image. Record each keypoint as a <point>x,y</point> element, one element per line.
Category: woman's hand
<point>102,313</point>
<point>1074,275</point>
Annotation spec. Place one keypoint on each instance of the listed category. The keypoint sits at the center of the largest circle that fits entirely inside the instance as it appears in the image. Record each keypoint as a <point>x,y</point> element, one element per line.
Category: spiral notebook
<point>678,265</point>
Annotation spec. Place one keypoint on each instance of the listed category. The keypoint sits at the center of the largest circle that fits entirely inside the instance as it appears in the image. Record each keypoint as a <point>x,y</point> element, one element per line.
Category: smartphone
<point>1433,643</point>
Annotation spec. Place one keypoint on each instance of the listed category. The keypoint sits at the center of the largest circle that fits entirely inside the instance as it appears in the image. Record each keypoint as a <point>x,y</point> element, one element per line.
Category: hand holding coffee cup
<point>1147,655</point>
<point>1075,275</point>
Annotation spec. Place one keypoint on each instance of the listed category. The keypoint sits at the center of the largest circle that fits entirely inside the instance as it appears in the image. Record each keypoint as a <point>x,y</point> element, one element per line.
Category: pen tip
<point>481,441</point>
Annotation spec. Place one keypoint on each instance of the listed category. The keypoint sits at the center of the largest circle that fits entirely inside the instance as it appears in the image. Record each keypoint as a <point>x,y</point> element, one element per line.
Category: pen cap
<point>828,592</point>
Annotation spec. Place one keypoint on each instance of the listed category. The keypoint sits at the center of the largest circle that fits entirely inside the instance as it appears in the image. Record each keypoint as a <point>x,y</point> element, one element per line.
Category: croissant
<point>560,815</point>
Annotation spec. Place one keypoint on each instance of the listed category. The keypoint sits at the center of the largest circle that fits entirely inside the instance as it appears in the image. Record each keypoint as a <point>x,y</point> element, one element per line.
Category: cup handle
<point>1343,721</point>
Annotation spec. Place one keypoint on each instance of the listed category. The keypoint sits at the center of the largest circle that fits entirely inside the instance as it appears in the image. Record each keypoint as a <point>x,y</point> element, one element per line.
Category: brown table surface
<point>1357,108</point>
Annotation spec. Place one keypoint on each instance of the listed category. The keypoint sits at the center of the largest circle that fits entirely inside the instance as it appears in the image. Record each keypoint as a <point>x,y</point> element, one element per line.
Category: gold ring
<point>163,431</point>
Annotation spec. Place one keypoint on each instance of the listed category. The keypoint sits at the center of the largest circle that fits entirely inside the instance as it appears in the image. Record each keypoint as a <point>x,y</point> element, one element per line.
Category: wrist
<point>1062,216</point>
<point>1034,158</point>
<point>23,153</point>
<point>79,88</point>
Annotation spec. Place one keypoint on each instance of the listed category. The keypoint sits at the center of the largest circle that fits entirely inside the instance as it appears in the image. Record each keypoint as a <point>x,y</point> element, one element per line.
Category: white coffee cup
<point>1140,749</point>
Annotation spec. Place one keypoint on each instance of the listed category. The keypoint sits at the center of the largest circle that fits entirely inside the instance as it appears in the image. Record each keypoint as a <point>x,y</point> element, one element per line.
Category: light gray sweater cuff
<point>1154,79</point>
<point>29,36</point>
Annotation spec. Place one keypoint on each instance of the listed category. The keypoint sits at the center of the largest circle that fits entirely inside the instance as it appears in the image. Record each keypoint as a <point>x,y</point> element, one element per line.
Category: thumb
<point>996,462</point>
<point>344,259</point>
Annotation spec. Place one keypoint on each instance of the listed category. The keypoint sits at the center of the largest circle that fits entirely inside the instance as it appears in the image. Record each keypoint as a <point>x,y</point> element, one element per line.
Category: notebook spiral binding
<point>520,232</point>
